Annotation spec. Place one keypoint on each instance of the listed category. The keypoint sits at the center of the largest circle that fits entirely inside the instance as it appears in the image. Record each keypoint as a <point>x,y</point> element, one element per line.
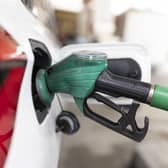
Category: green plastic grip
<point>160,97</point>
<point>76,75</point>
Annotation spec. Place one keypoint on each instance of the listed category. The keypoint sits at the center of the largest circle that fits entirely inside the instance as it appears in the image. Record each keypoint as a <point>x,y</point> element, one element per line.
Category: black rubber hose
<point>111,84</point>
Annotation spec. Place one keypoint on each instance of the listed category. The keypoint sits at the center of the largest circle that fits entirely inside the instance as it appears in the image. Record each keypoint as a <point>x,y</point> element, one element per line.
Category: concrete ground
<point>98,147</point>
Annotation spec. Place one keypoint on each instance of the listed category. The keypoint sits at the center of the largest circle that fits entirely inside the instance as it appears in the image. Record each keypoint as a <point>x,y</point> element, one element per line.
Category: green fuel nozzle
<point>76,75</point>
<point>87,74</point>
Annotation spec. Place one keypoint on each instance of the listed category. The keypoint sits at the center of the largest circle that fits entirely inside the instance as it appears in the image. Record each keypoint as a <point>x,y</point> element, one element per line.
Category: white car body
<point>37,145</point>
<point>32,145</point>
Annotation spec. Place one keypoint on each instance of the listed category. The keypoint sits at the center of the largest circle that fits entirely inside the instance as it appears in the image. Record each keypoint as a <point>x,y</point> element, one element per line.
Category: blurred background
<point>143,22</point>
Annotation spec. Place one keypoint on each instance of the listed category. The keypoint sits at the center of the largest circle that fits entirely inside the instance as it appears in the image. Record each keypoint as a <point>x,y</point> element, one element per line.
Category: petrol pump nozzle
<point>87,75</point>
<point>76,75</point>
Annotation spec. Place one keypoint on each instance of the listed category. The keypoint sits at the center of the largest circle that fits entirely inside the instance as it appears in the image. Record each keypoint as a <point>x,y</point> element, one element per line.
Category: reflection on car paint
<point>12,68</point>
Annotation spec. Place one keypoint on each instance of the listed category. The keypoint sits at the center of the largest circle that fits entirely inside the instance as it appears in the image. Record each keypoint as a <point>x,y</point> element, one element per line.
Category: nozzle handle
<point>112,84</point>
